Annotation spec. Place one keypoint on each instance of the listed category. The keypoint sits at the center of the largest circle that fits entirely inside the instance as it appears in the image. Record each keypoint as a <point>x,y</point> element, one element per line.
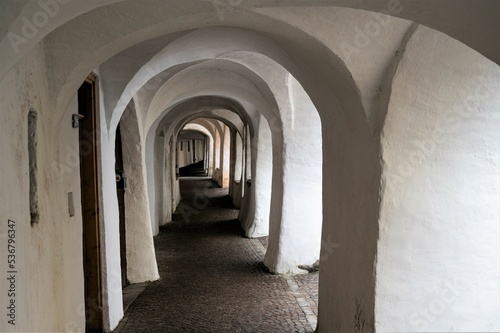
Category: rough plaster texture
<point>295,218</point>
<point>48,292</point>
<point>351,164</point>
<point>365,41</point>
<point>239,158</point>
<point>438,251</point>
<point>225,156</point>
<point>480,18</point>
<point>256,223</point>
<point>275,252</point>
<point>111,245</point>
<point>141,258</point>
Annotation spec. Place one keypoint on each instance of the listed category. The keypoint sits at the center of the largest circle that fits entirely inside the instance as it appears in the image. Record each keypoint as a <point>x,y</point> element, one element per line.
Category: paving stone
<point>213,279</point>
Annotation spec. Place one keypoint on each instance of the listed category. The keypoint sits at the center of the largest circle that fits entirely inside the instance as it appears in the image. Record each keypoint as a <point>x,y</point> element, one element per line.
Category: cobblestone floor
<point>212,278</point>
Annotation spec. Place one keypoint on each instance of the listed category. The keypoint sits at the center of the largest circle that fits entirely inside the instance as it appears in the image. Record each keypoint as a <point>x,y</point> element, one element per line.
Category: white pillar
<point>256,223</point>
<point>141,257</point>
<point>296,203</point>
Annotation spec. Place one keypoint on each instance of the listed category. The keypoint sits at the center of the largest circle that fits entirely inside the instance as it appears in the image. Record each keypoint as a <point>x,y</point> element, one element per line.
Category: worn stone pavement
<point>212,278</point>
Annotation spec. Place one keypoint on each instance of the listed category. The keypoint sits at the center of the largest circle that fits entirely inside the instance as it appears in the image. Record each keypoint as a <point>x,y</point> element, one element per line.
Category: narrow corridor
<point>213,279</point>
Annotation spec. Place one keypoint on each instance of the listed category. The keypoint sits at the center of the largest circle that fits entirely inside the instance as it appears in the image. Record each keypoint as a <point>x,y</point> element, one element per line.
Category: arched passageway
<point>213,280</point>
<point>374,117</point>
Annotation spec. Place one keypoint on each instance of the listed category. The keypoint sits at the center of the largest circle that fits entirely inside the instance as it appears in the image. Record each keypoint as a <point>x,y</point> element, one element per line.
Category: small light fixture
<point>75,120</point>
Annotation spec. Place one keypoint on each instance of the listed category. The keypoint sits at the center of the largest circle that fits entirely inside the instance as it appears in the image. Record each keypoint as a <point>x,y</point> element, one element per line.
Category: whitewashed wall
<point>438,249</point>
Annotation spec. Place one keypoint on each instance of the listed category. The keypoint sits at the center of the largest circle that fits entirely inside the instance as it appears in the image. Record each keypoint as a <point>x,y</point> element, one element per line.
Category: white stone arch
<point>210,126</point>
<point>275,53</point>
<point>215,127</point>
<point>236,126</point>
<point>255,215</point>
<point>15,43</point>
<point>229,125</point>
<point>244,60</point>
<point>238,167</point>
<point>324,96</point>
<point>225,159</point>
<point>154,148</point>
<point>199,128</point>
<point>276,260</point>
<point>204,104</point>
<point>171,192</point>
<point>327,101</point>
<point>355,136</point>
<point>141,257</point>
<point>232,80</point>
<point>339,156</point>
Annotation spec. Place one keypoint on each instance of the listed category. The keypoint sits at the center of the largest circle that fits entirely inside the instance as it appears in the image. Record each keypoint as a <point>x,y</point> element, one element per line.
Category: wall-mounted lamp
<point>75,120</point>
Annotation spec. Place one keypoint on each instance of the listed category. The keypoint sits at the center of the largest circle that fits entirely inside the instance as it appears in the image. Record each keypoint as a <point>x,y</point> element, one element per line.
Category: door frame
<point>95,315</point>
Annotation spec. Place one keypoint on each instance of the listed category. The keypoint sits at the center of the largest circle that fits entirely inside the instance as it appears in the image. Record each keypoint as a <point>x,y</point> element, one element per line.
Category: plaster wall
<point>246,175</point>
<point>171,194</point>
<point>238,163</point>
<point>232,165</point>
<point>155,165</point>
<point>236,196</point>
<point>295,127</point>
<point>256,223</point>
<point>167,194</point>
<point>244,58</point>
<point>200,150</point>
<point>480,37</point>
<point>237,192</point>
<point>217,149</point>
<point>168,180</point>
<point>438,251</point>
<point>295,220</point>
<point>363,40</point>
<point>49,282</point>
<point>209,125</point>
<point>247,161</point>
<point>323,87</point>
<point>112,288</point>
<point>351,190</point>
<point>221,78</point>
<point>225,157</point>
<point>141,257</point>
<point>111,245</point>
<point>185,157</point>
<point>196,77</point>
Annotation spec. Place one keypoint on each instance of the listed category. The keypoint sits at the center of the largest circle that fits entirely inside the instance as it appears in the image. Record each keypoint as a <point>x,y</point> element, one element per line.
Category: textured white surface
<point>438,249</point>
<point>141,257</point>
<point>438,228</point>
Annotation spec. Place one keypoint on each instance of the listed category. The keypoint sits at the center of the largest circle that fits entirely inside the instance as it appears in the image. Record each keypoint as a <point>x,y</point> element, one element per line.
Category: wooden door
<point>89,138</point>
